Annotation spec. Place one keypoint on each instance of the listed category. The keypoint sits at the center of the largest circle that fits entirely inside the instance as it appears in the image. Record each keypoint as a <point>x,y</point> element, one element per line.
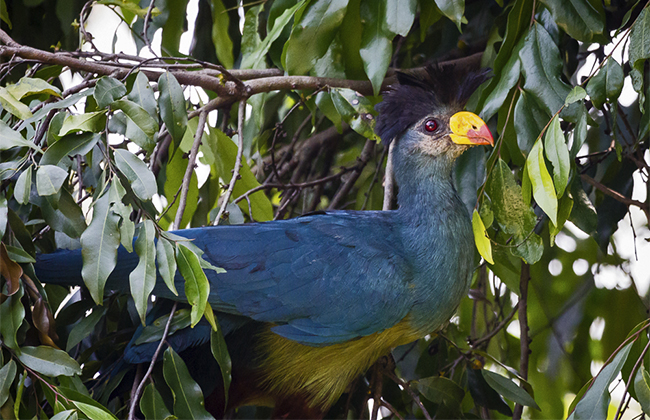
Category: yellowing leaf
<point>540,180</point>
<point>481,238</point>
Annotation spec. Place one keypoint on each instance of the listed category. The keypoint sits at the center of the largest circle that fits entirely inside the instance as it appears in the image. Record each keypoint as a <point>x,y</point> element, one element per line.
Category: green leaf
<point>140,126</point>
<point>135,170</point>
<point>23,186</point>
<point>188,399</point>
<point>639,52</point>
<point>607,84</point>
<point>12,105</point>
<point>530,118</point>
<point>4,15</point>
<point>326,105</point>
<point>174,173</point>
<point>49,361</point>
<point>93,412</point>
<point>172,106</point>
<point>641,387</point>
<point>65,415</point>
<point>401,13</point>
<point>152,404</point>
<point>61,212</point>
<point>4,212</point>
<point>356,110</point>
<point>12,313</point>
<point>7,376</point>
<point>154,332</point>
<point>540,179</point>
<point>581,19</point>
<point>70,145</point>
<point>197,287</point>
<point>441,390</point>
<point>93,122</point>
<point>576,94</point>
<point>107,90</point>
<point>85,327</point>
<point>49,179</point>
<point>166,263</point>
<point>256,59</point>
<point>481,238</point>
<point>312,34</point>
<point>143,278</point>
<point>594,403</point>
<point>509,389</point>
<point>565,205</point>
<point>376,42</point>
<point>543,68</point>
<point>99,244</point>
<point>496,94</point>
<point>10,138</point>
<point>30,86</point>
<point>220,353</point>
<point>19,255</point>
<point>557,153</point>
<point>142,94</point>
<point>453,9</point>
<point>220,36</point>
<point>173,27</point>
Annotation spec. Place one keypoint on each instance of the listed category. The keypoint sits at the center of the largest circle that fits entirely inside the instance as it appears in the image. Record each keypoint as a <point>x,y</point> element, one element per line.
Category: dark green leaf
<point>453,9</point>
<point>135,170</point>
<point>639,51</point>
<point>541,182</point>
<point>565,205</point>
<point>529,121</point>
<point>172,106</point>
<point>188,399</point>
<point>174,27</point>
<point>583,213</point>
<point>509,389</point>
<point>140,126</point>
<point>441,390</point>
<point>558,154</point>
<point>483,394</point>
<point>220,36</point>
<point>71,145</point>
<point>85,327</point>
<point>220,353</point>
<point>166,263</point>
<point>7,376</point>
<point>376,42</point>
<point>152,404</point>
<point>49,179</point>
<point>154,332</point>
<point>641,387</point>
<point>581,19</point>
<point>12,313</point>
<point>497,93</point>
<point>143,278</point>
<point>576,94</point>
<point>312,34</point>
<point>61,212</point>
<point>19,255</point>
<point>197,287</point>
<point>99,244</point>
<point>142,94</point>
<point>49,361</point>
<point>606,84</point>
<point>356,110</point>
<point>107,90</point>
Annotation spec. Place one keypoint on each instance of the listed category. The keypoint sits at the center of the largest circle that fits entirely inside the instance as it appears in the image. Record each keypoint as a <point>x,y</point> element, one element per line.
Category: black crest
<point>417,94</point>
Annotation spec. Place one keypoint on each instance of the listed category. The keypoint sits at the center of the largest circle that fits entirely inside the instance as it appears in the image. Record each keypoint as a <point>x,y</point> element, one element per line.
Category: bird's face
<point>448,134</point>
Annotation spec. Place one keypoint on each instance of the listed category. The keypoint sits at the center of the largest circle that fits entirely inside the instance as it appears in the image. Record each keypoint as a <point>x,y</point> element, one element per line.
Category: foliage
<point>278,117</point>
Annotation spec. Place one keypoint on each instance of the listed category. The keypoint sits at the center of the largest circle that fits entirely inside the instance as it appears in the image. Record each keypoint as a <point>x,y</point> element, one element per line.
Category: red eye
<point>430,125</point>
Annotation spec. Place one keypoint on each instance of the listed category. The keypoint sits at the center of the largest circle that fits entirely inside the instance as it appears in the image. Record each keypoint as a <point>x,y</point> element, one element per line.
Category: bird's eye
<point>431,126</point>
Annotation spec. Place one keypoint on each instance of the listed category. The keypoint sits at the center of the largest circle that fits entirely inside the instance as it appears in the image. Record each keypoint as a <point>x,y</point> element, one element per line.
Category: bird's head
<point>424,115</point>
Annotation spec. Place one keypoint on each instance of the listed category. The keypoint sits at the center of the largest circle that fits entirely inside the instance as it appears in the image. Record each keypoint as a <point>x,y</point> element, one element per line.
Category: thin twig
<point>240,152</point>
<point>189,170</point>
<point>523,331</point>
<point>138,391</point>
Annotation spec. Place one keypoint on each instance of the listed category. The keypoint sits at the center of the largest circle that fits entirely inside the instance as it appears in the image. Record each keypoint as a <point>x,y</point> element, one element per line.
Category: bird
<point>308,304</point>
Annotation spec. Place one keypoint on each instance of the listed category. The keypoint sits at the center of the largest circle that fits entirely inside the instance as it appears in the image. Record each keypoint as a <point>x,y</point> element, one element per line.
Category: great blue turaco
<point>308,304</point>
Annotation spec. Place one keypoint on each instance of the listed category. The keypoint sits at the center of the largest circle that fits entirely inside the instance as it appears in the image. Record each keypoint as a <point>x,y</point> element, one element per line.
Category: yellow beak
<point>468,128</point>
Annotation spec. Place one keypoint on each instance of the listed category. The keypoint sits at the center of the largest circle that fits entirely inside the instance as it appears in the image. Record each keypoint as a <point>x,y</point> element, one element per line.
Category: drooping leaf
<point>12,105</point>
<point>99,244</point>
<point>166,263</point>
<point>152,404</point>
<point>61,212</point>
<point>142,94</point>
<point>12,313</point>
<point>639,52</point>
<point>558,154</point>
<point>135,170</point>
<point>541,182</point>
<point>143,278</point>
<point>607,84</point>
<point>107,90</point>
<point>140,126</point>
<point>509,389</point>
<point>93,412</point>
<point>581,19</point>
<point>85,327</point>
<point>401,13</point>
<point>197,287</point>
<point>71,145</point>
<point>172,106</point>
<point>481,238</point>
<point>376,42</point>
<point>641,387</point>
<point>49,179</point>
<point>7,376</point>
<point>23,186</point>
<point>441,390</point>
<point>220,353</point>
<point>188,399</point>
<point>49,361</point>
<point>10,138</point>
<point>453,9</point>
<point>30,86</point>
<point>220,37</point>
<point>530,118</point>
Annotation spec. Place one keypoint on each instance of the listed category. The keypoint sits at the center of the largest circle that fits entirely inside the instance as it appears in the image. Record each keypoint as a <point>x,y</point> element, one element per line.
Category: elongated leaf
<point>401,13</point>
<point>509,389</point>
<point>594,403</point>
<point>220,37</point>
<point>530,118</point>
<point>61,212</point>
<point>481,238</point>
<point>639,52</point>
<point>10,138</point>
<point>188,399</point>
<point>12,105</point>
<point>313,33</point>
<point>220,353</point>
<point>23,186</point>
<point>7,376</point>
<point>49,361</point>
<point>31,86</point>
<point>4,214</point>
<point>65,415</point>
<point>135,170</point>
<point>540,179</point>
<point>140,126</point>
<point>376,43</point>
<point>143,278</point>
<point>12,313</point>
<point>49,179</point>
<point>154,332</point>
<point>581,19</point>
<point>166,263</point>
<point>453,9</point>
<point>641,387</point>
<point>85,327</point>
<point>107,90</point>
<point>152,404</point>
<point>10,270</point>
<point>497,94</point>
<point>441,390</point>
<point>576,94</point>
<point>543,68</point>
<point>99,244</point>
<point>93,122</point>
<point>142,94</point>
<point>197,287</point>
<point>172,106</point>
<point>93,412</point>
<point>607,84</point>
<point>70,145</point>
<point>557,153</point>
